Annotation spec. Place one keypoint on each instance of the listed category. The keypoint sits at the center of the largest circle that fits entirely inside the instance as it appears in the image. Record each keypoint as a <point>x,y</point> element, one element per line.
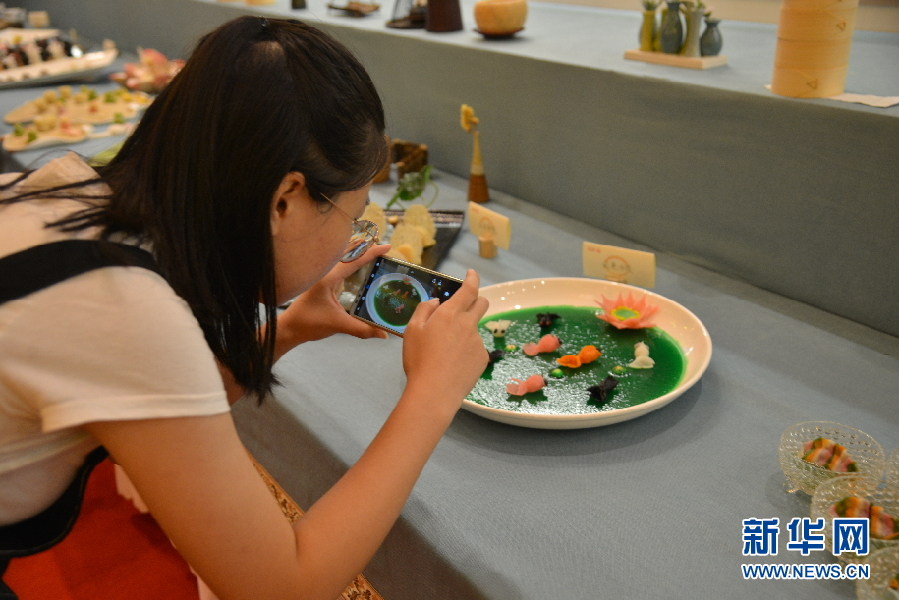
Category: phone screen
<point>391,291</point>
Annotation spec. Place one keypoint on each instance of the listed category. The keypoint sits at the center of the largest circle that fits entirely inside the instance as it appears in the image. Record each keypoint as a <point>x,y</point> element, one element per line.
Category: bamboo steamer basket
<point>800,54</point>
<point>814,39</point>
<point>819,4</point>
<point>816,25</point>
<point>808,83</point>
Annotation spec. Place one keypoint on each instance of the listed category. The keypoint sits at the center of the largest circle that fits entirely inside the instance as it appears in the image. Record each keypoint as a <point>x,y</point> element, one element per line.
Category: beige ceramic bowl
<point>500,17</point>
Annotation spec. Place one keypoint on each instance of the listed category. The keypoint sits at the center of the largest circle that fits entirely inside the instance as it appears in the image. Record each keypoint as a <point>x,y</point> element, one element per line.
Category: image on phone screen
<point>393,290</point>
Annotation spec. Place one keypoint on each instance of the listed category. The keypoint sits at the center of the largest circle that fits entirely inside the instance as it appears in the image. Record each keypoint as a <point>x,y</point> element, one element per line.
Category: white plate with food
<point>676,345</point>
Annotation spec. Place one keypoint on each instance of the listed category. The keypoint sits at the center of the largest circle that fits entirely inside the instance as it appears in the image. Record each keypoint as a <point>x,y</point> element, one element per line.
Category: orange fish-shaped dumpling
<point>587,355</point>
<point>531,384</point>
<point>547,343</point>
<point>572,361</point>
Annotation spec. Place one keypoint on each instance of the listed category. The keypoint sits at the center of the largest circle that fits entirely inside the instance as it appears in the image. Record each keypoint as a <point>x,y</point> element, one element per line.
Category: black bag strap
<point>47,528</point>
<point>38,267</point>
<point>22,274</point>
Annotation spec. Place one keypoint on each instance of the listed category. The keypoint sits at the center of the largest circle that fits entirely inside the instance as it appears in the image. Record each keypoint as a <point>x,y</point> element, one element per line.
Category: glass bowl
<point>805,476</point>
<point>884,567</point>
<point>830,492</point>
<point>892,472</point>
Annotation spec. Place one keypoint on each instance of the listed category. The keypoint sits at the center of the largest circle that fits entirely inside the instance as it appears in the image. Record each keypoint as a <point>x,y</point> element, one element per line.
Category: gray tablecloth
<point>650,508</point>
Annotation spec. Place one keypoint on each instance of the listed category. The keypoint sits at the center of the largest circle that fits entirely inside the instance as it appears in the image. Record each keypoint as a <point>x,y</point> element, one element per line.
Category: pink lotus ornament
<point>627,313</point>
<point>151,74</point>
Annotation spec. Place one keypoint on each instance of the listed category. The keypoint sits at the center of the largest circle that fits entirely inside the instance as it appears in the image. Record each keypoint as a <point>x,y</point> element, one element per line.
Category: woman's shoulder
<point>67,169</point>
<point>113,336</point>
<point>24,223</point>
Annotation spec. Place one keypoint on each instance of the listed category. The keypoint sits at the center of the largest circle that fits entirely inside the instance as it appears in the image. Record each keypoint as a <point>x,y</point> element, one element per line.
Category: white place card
<point>485,223</point>
<point>623,265</point>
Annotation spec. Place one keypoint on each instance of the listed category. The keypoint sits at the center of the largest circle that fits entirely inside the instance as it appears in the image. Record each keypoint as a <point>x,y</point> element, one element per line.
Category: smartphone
<point>386,292</point>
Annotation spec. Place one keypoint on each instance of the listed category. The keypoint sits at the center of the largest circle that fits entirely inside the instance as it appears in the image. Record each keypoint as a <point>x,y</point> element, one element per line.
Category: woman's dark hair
<point>258,99</point>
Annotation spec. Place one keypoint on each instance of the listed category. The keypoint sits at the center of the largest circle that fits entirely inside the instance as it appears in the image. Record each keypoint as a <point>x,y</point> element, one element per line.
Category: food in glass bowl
<point>883,580</point>
<point>828,454</point>
<point>855,497</point>
<point>806,466</point>
<point>892,469</point>
<point>884,526</point>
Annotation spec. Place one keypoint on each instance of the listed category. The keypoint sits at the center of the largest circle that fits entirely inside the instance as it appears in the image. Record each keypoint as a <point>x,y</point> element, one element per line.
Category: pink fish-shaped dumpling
<point>547,343</point>
<point>531,384</point>
<point>883,526</point>
<point>818,451</point>
<point>840,461</point>
<point>852,507</point>
<point>818,456</point>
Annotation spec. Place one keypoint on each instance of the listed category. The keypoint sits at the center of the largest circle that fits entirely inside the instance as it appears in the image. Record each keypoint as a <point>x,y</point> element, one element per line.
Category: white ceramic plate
<point>82,68</point>
<point>674,319</point>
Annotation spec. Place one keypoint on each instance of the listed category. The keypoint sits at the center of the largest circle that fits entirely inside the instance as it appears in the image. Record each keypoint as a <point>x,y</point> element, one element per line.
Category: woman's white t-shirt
<point>112,344</point>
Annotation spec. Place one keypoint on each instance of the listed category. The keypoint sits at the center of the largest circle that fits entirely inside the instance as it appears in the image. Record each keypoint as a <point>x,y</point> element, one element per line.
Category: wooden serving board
<point>448,223</point>
<point>676,60</point>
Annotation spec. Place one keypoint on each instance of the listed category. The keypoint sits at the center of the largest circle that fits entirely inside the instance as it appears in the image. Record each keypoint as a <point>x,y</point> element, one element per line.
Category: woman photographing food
<point>245,181</point>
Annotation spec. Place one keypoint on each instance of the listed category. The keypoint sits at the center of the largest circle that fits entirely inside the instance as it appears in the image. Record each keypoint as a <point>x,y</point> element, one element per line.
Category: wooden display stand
<point>676,60</point>
<point>409,157</point>
<point>477,181</point>
<point>486,246</point>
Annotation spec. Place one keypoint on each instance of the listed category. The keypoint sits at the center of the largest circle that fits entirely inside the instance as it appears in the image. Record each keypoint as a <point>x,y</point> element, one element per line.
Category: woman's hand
<point>442,350</point>
<point>315,314</point>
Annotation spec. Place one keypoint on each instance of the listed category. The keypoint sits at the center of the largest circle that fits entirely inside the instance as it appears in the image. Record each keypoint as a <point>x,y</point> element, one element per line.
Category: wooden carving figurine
<point>477,182</point>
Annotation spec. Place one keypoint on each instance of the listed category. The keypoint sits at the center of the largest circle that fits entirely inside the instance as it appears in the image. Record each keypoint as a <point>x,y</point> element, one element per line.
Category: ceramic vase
<point>656,40</point>
<point>671,35</point>
<point>710,42</point>
<point>648,31</point>
<point>443,15</point>
<point>694,30</point>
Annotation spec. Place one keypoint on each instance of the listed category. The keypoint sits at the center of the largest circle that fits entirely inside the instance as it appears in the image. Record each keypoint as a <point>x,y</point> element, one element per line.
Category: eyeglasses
<point>365,233</point>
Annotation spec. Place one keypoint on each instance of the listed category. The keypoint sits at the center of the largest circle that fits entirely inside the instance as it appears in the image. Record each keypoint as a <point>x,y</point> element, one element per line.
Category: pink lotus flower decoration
<point>627,313</point>
<point>151,74</point>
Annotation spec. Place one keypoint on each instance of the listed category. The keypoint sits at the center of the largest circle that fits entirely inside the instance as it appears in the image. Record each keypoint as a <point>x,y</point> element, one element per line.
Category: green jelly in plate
<point>679,344</point>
